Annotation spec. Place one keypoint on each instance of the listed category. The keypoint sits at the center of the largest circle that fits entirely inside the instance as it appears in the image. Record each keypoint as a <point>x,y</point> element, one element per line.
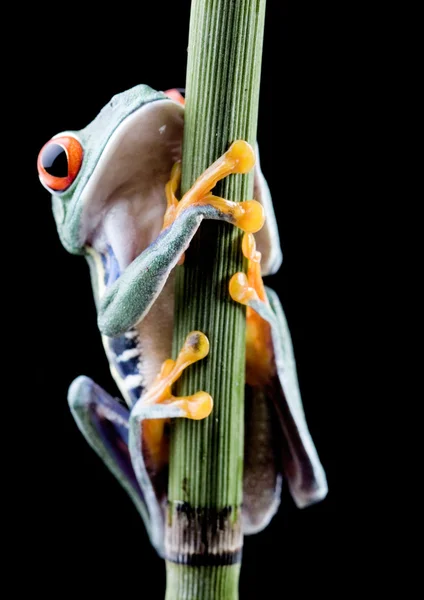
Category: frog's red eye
<point>59,162</point>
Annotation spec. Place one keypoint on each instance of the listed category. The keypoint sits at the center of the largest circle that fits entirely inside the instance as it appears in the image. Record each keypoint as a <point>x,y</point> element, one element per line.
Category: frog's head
<point>107,180</point>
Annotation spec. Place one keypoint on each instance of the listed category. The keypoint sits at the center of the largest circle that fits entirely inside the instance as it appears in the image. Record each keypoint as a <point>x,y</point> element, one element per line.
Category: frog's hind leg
<point>262,472</point>
<point>302,466</point>
<point>271,367</point>
<point>103,421</point>
<point>147,439</point>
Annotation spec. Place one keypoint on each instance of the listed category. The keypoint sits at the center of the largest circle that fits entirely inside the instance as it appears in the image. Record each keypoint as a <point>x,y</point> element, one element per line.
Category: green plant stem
<point>204,534</point>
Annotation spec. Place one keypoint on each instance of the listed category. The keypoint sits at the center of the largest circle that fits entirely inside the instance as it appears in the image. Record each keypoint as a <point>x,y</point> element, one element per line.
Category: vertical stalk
<point>204,535</point>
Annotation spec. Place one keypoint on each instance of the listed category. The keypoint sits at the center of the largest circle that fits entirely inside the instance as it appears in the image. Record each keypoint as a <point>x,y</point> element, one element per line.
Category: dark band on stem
<point>198,536</point>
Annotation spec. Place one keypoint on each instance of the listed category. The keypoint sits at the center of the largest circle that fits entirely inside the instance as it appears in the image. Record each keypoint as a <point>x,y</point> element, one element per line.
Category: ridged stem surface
<point>204,536</point>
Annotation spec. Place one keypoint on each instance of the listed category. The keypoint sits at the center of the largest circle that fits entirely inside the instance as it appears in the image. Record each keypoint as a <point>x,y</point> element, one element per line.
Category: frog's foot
<point>103,421</point>
<point>172,201</point>
<point>198,406</point>
<point>249,288</point>
<point>147,439</point>
<point>250,291</point>
<point>170,192</point>
<point>247,215</point>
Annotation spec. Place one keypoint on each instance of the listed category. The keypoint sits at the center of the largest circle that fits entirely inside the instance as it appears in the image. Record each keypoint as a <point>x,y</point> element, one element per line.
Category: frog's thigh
<point>103,421</point>
<point>305,473</point>
<point>262,472</point>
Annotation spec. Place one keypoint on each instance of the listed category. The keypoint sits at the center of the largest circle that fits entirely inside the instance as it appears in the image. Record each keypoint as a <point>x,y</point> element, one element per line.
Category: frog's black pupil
<point>55,161</point>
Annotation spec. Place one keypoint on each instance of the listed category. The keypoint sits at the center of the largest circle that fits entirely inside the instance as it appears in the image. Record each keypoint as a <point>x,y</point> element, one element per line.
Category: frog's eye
<point>59,162</point>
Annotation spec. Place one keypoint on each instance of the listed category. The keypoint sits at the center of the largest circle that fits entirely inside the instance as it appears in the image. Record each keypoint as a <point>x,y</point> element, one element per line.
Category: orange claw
<point>247,215</point>
<point>239,158</point>
<point>170,193</point>
<point>198,406</point>
<point>240,290</point>
<point>196,347</point>
<point>243,156</point>
<point>245,289</point>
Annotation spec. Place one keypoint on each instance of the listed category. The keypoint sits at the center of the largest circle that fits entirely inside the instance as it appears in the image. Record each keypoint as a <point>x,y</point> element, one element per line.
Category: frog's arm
<point>267,237</point>
<point>127,301</point>
<point>271,370</point>
<point>133,445</point>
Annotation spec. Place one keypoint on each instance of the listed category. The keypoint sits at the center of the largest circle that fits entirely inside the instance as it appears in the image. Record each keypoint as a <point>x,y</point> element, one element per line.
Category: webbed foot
<point>247,215</point>
<point>147,440</point>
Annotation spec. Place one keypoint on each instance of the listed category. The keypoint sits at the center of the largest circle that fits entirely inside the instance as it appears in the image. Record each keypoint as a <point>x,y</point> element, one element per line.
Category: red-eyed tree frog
<point>114,188</point>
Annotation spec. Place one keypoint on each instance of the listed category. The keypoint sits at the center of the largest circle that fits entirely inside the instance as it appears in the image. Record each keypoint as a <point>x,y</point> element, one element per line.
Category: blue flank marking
<point>129,367</point>
<point>118,345</point>
<point>111,267</point>
<point>136,393</point>
<point>121,343</point>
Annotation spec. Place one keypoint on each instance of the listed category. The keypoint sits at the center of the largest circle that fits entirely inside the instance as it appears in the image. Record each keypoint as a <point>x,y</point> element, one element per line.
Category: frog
<point>113,189</point>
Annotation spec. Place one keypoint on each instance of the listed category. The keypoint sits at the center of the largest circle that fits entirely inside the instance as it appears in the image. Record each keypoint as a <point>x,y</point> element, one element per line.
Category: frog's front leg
<point>271,369</point>
<point>148,418</point>
<point>127,300</point>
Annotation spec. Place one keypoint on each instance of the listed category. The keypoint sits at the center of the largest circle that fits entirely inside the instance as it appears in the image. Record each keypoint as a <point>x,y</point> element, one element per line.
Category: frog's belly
<point>135,358</point>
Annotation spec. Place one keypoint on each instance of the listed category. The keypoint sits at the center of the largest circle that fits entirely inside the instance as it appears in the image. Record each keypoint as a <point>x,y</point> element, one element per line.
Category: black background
<point>78,522</point>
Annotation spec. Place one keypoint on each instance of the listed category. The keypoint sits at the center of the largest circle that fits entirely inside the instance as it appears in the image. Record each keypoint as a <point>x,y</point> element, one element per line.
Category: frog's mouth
<point>124,201</point>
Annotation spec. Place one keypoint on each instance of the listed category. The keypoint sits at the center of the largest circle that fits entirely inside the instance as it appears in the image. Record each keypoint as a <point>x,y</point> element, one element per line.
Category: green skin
<point>117,201</point>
